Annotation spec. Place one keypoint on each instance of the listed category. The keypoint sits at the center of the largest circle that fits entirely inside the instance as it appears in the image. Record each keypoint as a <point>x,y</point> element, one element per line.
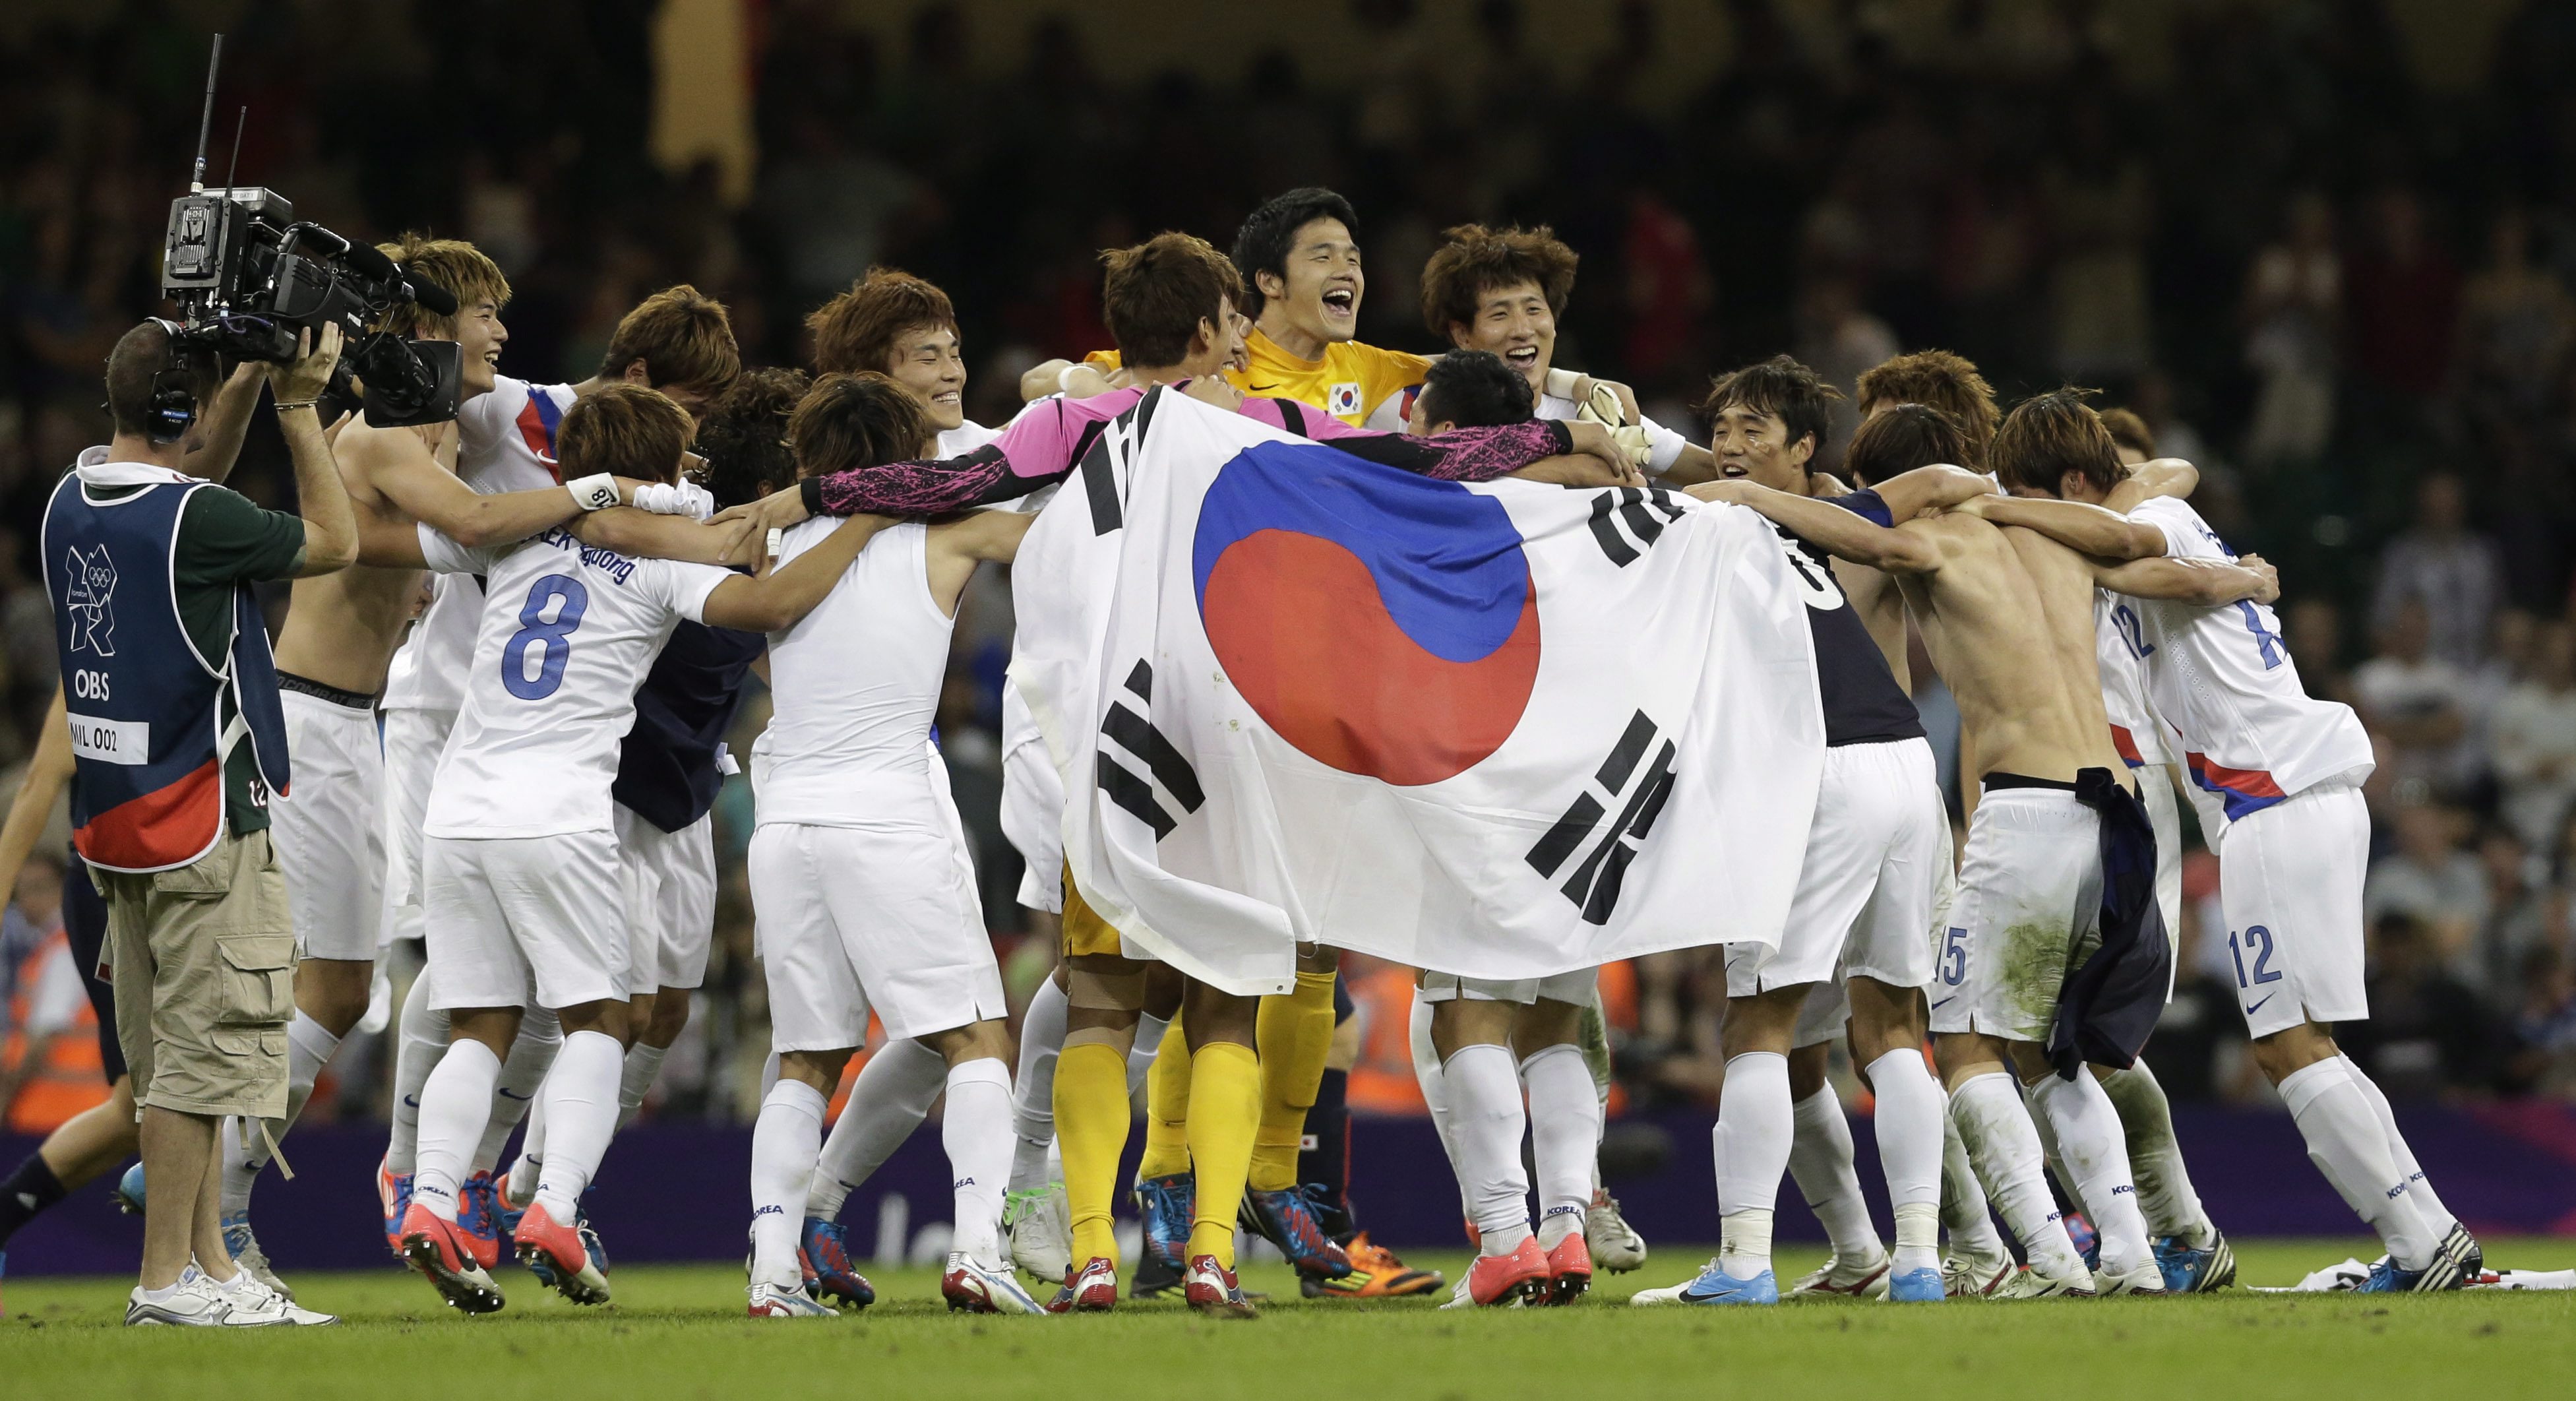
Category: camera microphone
<point>429,294</point>
<point>369,262</point>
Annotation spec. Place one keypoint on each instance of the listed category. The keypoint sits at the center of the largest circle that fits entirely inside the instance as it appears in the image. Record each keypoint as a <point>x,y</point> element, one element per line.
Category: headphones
<point>172,409</point>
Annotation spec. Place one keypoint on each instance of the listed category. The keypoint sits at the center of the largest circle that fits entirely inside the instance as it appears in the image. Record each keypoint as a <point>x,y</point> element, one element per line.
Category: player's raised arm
<point>2164,476</point>
<point>2210,583</point>
<point>1838,530</point>
<point>783,596</point>
<point>398,463</point>
<point>2084,528</point>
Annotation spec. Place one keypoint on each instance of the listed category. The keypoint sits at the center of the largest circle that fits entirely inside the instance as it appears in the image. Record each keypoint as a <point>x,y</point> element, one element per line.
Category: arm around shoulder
<point>2083,528</point>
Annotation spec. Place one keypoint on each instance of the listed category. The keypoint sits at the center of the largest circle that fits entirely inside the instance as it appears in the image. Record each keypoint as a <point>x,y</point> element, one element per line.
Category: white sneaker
<point>249,1289</point>
<point>1977,1276</point>
<point>2032,1284</point>
<point>782,1301</point>
<point>972,1286</point>
<point>1615,1245</point>
<point>1845,1279</point>
<point>2145,1279</point>
<point>1669,1294</point>
<point>198,1302</point>
<point>1040,1224</point>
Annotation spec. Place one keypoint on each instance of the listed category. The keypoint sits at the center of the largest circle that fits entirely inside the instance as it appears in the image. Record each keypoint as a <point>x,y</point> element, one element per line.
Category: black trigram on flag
<point>1627,520</point>
<point>1638,790</point>
<point>1152,748</point>
<point>1101,450</point>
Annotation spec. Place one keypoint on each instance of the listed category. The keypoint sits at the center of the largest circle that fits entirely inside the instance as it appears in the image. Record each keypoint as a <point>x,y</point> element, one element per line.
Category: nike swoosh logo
<point>503,1092</point>
<point>1944,1002</point>
<point>410,1103</point>
<point>2257,1007</point>
<point>1263,388</point>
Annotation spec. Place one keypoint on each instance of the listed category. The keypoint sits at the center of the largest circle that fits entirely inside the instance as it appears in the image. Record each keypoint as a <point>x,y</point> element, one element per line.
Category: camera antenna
<point>232,174</point>
<point>206,119</point>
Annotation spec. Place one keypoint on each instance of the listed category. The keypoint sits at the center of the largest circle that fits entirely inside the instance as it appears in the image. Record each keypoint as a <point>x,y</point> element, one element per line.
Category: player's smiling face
<point>1513,322</point>
<point>928,362</point>
<point>1752,445</point>
<point>480,335</point>
<point>1324,283</point>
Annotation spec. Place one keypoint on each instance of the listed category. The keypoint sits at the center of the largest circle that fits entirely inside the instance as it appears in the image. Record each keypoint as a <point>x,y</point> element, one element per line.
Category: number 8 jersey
<point>566,636</point>
<point>2223,678</point>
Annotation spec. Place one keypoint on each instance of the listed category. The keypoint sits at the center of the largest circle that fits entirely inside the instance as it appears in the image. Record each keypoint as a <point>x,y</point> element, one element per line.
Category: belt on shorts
<point>1993,781</point>
<point>306,685</point>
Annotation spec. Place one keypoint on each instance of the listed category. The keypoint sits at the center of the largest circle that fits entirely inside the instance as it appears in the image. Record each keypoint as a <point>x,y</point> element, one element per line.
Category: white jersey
<point>505,442</point>
<point>2223,678</point>
<point>1663,445</point>
<point>2135,730</point>
<point>854,687</point>
<point>965,438</point>
<point>565,640</point>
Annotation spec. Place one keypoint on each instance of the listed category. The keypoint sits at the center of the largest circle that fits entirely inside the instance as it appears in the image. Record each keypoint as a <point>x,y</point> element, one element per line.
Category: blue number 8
<point>557,636</point>
<point>1954,957</point>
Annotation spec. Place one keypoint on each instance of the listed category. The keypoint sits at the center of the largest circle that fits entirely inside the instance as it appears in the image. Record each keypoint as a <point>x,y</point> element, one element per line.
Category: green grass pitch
<point>679,1332</point>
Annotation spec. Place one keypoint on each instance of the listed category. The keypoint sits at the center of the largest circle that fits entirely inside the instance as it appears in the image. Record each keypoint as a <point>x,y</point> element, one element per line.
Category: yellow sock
<point>1295,1034</point>
<point>1225,1107</point>
<point>1091,1131</point>
<point>1167,1107</point>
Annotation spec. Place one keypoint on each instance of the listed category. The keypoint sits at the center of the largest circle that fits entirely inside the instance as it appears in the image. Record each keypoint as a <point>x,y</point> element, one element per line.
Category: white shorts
<point>329,841</point>
<point>1032,807</point>
<point>2289,880</point>
<point>504,910</point>
<point>670,880</point>
<point>413,741</point>
<point>1575,987</point>
<point>849,918</point>
<point>2030,894</point>
<point>1865,887</point>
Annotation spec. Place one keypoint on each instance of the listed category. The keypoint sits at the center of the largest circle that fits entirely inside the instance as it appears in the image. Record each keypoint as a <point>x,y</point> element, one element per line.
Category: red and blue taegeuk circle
<point>1384,624</point>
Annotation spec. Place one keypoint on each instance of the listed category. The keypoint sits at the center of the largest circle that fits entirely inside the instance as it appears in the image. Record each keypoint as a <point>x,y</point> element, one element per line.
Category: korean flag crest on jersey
<point>1502,730</point>
<point>1342,400</point>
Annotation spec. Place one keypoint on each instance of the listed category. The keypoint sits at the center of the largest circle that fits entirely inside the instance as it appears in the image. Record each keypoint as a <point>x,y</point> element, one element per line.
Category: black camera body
<point>248,276</point>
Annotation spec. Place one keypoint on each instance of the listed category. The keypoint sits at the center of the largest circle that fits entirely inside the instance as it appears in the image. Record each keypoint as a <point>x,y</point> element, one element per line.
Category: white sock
<point>1426,1073</point>
<point>1140,1056</point>
<point>1911,1110</point>
<point>581,1117</point>
<point>519,1184</point>
<point>2348,1145</point>
<point>1755,1123</point>
<point>887,1102</point>
<point>1821,1159</point>
<point>2164,1185</point>
<point>1565,1132</point>
<point>523,1076</point>
<point>1033,1089</point>
<point>1996,1127</point>
<point>976,1131</point>
<point>1485,1123</point>
<point>453,1105</point>
<point>635,1081</point>
<point>1964,1213</point>
<point>245,1148</point>
<point>2095,1155</point>
<point>2419,1188</point>
<point>419,1044</point>
<point>784,1141</point>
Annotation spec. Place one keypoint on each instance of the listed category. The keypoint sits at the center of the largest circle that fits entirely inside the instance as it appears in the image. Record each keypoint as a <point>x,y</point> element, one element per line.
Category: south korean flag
<point>1504,730</point>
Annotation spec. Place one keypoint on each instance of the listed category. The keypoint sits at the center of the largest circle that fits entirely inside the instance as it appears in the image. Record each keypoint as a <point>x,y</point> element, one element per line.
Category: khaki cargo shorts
<point>204,965</point>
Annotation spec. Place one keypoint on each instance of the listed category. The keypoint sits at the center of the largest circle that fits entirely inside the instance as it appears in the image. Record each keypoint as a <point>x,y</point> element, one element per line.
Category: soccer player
<point>1864,897</point>
<point>333,658</point>
<point>1502,290</point>
<point>2287,770</point>
<point>522,868</point>
<point>897,325</point>
<point>678,341</point>
<point>2009,625</point>
<point>861,905</point>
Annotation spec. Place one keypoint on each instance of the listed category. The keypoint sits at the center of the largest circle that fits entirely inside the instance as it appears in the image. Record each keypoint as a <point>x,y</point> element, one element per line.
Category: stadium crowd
<point>2361,327</point>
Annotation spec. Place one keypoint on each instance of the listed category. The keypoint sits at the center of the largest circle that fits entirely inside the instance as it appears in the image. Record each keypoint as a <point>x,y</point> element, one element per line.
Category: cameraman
<point>174,718</point>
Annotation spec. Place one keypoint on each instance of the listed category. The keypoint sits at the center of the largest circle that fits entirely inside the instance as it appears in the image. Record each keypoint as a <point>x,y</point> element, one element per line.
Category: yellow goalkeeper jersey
<point>1362,385</point>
